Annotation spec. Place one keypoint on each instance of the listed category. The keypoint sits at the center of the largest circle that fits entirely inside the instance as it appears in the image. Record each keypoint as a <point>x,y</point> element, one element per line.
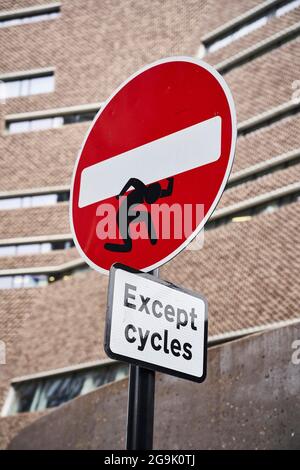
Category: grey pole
<point>140,418</point>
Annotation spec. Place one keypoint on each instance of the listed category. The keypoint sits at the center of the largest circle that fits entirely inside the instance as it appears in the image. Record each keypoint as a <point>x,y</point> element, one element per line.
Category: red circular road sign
<point>153,165</point>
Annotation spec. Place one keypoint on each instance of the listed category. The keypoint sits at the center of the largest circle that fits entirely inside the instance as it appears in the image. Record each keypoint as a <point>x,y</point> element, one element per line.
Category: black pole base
<point>140,409</point>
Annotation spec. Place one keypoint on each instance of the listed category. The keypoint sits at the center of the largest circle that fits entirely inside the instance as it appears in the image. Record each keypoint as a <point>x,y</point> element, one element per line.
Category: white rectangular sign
<point>155,324</point>
<point>153,161</point>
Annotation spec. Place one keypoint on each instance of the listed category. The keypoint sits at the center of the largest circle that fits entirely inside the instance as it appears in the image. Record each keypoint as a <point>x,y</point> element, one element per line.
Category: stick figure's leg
<point>123,226</point>
<point>127,246</point>
<point>145,217</point>
<point>151,230</point>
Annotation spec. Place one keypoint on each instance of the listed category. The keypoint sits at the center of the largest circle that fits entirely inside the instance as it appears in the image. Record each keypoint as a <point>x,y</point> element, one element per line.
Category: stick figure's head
<point>152,193</point>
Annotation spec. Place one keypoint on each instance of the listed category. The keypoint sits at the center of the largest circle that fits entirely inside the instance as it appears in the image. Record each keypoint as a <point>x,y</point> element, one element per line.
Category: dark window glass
<point>51,392</point>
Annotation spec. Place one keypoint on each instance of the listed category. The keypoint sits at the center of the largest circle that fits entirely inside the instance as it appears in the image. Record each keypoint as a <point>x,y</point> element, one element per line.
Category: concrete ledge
<point>33,10</point>
<point>62,268</point>
<point>270,164</point>
<point>240,20</point>
<point>261,47</point>
<point>83,108</point>
<point>36,239</point>
<point>273,114</point>
<point>256,201</point>
<point>22,74</point>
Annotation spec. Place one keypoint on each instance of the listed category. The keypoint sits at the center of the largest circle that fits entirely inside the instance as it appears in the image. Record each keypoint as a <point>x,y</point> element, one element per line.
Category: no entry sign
<point>153,165</point>
<point>155,324</point>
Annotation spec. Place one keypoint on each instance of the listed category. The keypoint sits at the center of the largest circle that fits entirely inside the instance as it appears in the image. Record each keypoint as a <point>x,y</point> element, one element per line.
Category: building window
<point>52,391</point>
<point>23,17</point>
<point>242,29</point>
<point>23,281</point>
<point>34,248</point>
<point>14,88</point>
<point>16,127</point>
<point>287,7</point>
<point>34,201</point>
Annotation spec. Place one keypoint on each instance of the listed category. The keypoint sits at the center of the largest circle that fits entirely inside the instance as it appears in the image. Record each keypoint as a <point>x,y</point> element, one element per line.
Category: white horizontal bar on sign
<point>168,156</point>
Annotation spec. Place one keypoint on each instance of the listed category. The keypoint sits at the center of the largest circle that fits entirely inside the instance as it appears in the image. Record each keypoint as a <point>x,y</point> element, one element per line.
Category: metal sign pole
<point>140,418</point>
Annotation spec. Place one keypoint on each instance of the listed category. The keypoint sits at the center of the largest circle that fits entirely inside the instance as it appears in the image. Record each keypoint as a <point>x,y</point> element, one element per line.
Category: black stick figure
<point>141,193</point>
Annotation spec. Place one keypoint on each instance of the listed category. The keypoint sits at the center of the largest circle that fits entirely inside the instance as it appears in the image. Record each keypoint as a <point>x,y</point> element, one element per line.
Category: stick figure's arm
<point>135,183</point>
<point>169,189</point>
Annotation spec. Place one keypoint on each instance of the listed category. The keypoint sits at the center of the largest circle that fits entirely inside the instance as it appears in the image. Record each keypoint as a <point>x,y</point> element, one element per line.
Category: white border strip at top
<point>227,92</point>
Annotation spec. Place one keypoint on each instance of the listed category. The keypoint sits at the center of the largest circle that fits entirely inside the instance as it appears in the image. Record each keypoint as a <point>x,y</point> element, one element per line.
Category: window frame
<point>41,380</point>
<point>26,83</point>
<point>23,16</point>
<point>229,33</point>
